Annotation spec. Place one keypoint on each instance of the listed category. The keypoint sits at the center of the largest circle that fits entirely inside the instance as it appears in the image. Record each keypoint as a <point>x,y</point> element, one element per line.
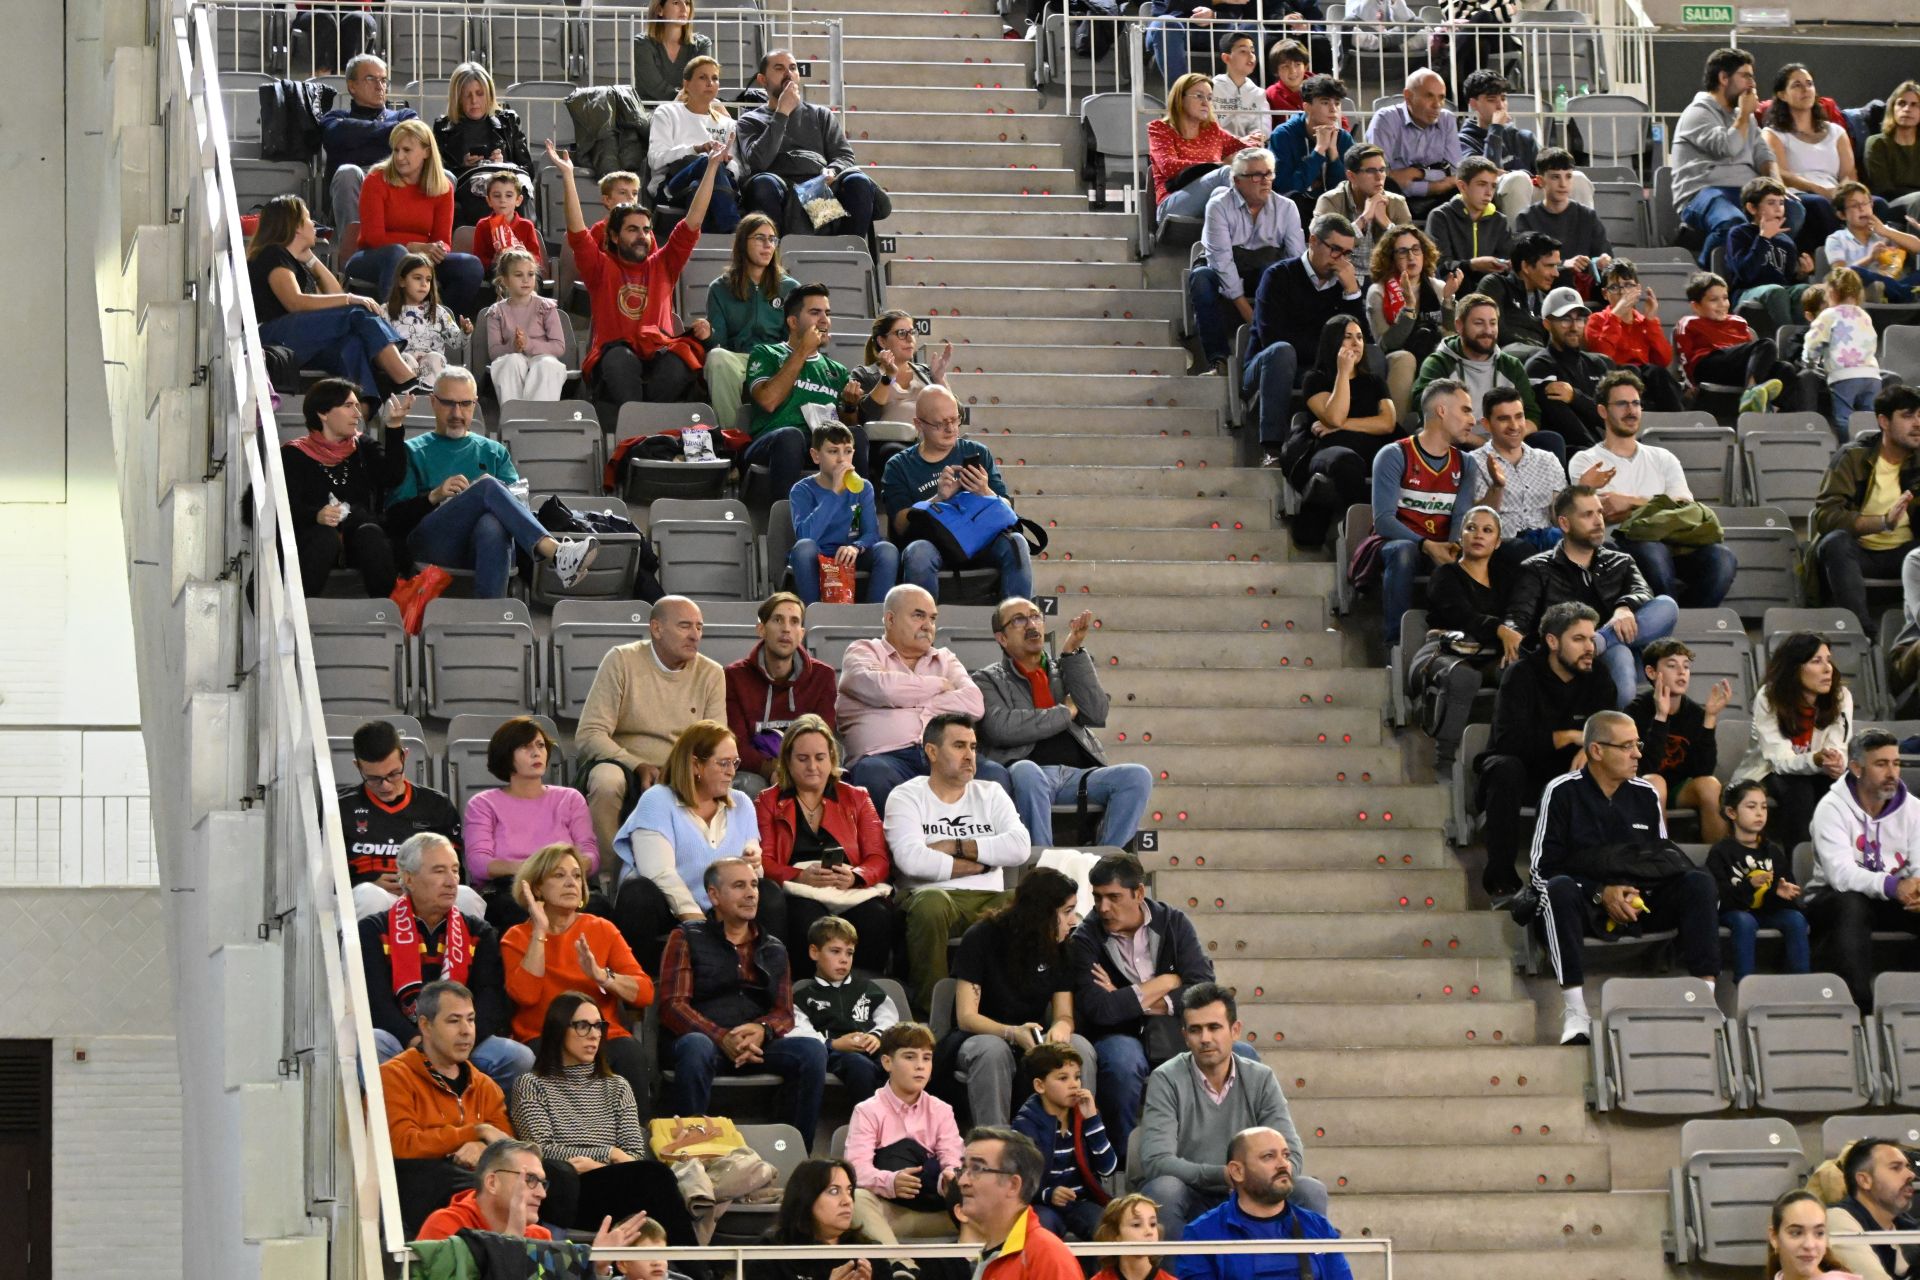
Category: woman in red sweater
<point>1186,137</point>
<point>821,838</point>
<point>406,206</point>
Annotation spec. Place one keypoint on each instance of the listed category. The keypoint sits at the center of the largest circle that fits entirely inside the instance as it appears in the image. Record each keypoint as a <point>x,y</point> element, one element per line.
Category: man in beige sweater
<point>644,694</point>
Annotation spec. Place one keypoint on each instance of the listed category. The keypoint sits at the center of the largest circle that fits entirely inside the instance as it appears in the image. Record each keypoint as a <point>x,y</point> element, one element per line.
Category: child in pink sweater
<point>524,330</point>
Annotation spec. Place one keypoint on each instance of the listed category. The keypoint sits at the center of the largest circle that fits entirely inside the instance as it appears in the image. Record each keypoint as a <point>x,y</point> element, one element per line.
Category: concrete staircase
<point>1427,1085</point>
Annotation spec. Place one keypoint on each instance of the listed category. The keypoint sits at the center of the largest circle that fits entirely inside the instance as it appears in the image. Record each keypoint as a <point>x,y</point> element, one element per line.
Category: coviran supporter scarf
<point>407,948</point>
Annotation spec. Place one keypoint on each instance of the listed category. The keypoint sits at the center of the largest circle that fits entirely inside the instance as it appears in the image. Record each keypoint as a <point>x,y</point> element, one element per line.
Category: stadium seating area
<point>1295,815</point>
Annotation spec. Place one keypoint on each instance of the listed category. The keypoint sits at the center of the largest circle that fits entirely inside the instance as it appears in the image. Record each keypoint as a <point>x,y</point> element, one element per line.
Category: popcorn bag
<point>836,583</point>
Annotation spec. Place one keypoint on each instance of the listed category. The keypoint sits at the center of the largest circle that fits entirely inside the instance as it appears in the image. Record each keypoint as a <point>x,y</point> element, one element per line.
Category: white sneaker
<point>1575,1028</point>
<point>574,558</point>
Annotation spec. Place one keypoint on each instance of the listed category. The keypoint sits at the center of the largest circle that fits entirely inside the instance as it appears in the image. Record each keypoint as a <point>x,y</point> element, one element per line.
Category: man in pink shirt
<point>900,1121</point>
<point>891,687</point>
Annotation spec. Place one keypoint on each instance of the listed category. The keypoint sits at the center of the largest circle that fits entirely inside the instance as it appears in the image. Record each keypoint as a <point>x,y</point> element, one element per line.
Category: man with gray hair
<point>1247,228</point>
<point>455,509</point>
<point>643,695</point>
<point>1601,861</point>
<point>356,134</point>
<point>427,935</point>
<point>1295,299</point>
<point>1866,870</point>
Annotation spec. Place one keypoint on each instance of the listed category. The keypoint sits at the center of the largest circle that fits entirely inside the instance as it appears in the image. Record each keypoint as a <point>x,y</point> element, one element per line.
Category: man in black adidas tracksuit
<point>378,815</point>
<point>1603,805</point>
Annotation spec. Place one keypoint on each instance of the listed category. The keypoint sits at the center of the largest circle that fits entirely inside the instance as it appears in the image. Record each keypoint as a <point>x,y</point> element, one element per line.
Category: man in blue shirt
<point>939,466</point>
<point>1260,1172</point>
<point>1246,231</point>
<point>355,135</point>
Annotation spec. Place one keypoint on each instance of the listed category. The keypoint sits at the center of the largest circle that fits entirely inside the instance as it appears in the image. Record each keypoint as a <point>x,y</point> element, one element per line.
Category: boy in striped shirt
<point>1061,1119</point>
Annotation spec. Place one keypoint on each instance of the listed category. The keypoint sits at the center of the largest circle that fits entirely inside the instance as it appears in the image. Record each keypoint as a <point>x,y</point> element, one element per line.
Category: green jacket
<point>1844,490</point>
<point>1445,363</point>
<point>743,325</point>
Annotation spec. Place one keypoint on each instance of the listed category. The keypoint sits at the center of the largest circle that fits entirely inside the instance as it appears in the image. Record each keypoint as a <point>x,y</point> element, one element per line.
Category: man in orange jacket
<point>507,1201</point>
<point>999,1176</point>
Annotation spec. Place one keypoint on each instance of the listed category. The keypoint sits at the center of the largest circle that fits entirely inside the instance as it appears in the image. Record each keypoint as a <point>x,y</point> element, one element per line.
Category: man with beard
<point>636,353</point>
<point>1589,820</point>
<point>1472,357</point>
<point>1544,701</point>
<point>1866,840</point>
<point>1879,1198</point>
<point>1564,372</point>
<point>1260,1171</point>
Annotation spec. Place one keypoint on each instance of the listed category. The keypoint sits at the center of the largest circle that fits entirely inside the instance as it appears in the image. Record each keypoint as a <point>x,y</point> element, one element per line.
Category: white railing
<point>76,841</point>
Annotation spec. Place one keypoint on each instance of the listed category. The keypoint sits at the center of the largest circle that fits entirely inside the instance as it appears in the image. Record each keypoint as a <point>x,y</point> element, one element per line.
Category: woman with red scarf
<point>336,474</point>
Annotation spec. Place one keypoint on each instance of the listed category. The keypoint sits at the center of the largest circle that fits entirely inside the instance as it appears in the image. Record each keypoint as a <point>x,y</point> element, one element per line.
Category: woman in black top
<point>1329,457</point>
<point>817,1208</point>
<point>1014,992</point>
<point>336,476</point>
<point>477,131</point>
<point>1467,596</point>
<point>300,305</point>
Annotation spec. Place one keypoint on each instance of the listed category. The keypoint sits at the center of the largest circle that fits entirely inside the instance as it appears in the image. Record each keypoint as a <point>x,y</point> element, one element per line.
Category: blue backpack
<point>963,526</point>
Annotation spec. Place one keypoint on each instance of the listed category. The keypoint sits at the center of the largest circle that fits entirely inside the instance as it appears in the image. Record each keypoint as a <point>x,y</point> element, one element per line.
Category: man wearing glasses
<point>1295,300</point>
<point>1594,824</point>
<point>1245,231</point>
<point>513,1186</point>
<point>940,465</point>
<point>999,1178</point>
<point>356,134</point>
<point>382,812</point>
<point>1363,199</point>
<point>454,508</point>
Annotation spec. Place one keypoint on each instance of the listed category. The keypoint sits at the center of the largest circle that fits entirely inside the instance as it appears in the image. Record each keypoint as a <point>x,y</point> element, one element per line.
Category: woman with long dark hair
<point>817,1208</point>
<point>583,1115</point>
<point>1468,596</point>
<point>1352,417</point>
<point>744,306</point>
<point>337,477</point>
<point>1812,153</point>
<point>1802,718</point>
<point>1797,1241</point>
<point>1014,991</point>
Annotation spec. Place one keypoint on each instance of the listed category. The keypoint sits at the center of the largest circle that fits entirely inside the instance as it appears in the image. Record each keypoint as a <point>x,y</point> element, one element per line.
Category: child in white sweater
<point>435,339</point>
<point>1841,345</point>
<point>525,328</point>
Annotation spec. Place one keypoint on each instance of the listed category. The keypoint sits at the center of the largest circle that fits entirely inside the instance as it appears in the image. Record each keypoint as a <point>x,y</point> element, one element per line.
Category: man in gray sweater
<point>787,144</point>
<point>1717,149</point>
<point>1196,1102</point>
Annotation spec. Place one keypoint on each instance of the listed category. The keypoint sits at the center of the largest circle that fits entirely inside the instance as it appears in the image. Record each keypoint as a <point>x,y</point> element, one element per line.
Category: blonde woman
<point>406,206</point>
<point>662,54</point>
<point>477,130</point>
<point>1189,150</point>
<point>684,132</point>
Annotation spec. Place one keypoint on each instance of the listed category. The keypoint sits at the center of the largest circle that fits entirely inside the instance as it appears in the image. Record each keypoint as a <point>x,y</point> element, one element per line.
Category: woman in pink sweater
<point>524,337</point>
<point>506,826</point>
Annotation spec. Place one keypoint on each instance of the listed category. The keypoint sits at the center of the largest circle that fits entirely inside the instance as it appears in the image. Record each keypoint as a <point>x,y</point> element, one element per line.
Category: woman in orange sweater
<point>561,949</point>
<point>406,206</point>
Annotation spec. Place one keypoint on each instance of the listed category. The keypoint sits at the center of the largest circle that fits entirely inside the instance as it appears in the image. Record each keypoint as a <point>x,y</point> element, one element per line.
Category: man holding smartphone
<point>940,465</point>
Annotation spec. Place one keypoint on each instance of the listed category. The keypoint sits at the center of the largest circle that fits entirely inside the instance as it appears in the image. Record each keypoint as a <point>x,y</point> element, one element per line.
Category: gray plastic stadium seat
<point>360,654</point>
<point>643,481</point>
<point>1460,810</point>
<point>1353,530</point>
<point>480,358</point>
<point>1665,1047</point>
<point>849,273</point>
<point>1669,281</point>
<point>1618,204</point>
<point>413,739</point>
<point>1896,1023</point>
<point>557,457</point>
<point>467,738</point>
<point>423,42</point>
<point>832,627</point>
<point>704,265</point>
<point>1838,1131</point>
<point>1784,468</point>
<point>779,1145</point>
<point>1732,734</point>
<point>582,632</point>
<point>705,559</point>
<point>249,39</point>
<point>1413,633</point>
<point>1614,127</point>
<point>1748,424</point>
<point>478,657</point>
<point>1766,557</point>
<point>1706,454</point>
<point>528,46</point>
<point>729,629</point>
<point>548,411</point>
<point>940,1014</point>
<point>612,574</point>
<point>1720,651</point>
<point>1730,1173</point>
<point>1111,159</point>
<point>1847,640</point>
<point>1803,1042</point>
<point>257,181</point>
<point>739,42</point>
<point>1900,351</point>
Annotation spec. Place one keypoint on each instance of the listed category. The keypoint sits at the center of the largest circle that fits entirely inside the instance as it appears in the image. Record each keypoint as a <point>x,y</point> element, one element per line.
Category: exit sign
<point>1706,15</point>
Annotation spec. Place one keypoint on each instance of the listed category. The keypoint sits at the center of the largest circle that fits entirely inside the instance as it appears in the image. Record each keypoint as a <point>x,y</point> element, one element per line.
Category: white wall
<point>88,969</point>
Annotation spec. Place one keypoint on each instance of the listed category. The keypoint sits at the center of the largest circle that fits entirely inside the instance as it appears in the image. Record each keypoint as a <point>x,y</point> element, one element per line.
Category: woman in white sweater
<point>682,134</point>
<point>1802,719</point>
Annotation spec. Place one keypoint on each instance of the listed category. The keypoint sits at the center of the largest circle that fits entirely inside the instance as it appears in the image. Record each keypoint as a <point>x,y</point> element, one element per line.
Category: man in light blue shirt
<point>1246,230</point>
<point>1422,141</point>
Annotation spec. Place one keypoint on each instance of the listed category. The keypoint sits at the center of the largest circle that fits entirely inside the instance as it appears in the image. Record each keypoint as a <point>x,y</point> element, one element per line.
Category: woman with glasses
<point>745,308</point>
<point>690,819</point>
<point>581,1115</point>
<point>682,134</point>
<point>1409,304</point>
<point>892,379</point>
<point>1189,150</point>
<point>508,824</point>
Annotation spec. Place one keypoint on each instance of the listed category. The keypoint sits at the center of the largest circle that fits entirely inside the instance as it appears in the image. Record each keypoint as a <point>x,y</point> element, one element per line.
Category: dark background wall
<point>1851,70</point>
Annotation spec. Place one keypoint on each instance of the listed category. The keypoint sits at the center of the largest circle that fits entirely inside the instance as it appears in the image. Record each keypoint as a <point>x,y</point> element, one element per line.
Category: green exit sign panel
<point>1707,15</point>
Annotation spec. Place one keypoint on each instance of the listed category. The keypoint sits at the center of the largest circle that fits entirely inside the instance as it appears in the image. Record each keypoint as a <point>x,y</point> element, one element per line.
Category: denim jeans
<point>477,529</point>
<point>1622,661</point>
<point>1696,579</point>
<point>1190,201</point>
<point>1169,43</point>
<point>1272,375</point>
<point>879,772</point>
<point>1716,210</point>
<point>881,561</point>
<point>342,340</point>
<point>1120,1082</point>
<point>767,193</point>
<point>921,564</point>
<point>460,275</point>
<point>1121,790</point>
<point>1400,561</point>
<point>723,210</point>
<point>1851,396</point>
<point>1214,314</point>
<point>502,1059</point>
<point>1745,925</point>
<point>1897,289</point>
<point>798,1060</point>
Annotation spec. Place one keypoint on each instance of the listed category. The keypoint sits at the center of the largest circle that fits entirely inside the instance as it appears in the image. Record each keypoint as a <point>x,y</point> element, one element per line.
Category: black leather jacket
<point>1610,580</point>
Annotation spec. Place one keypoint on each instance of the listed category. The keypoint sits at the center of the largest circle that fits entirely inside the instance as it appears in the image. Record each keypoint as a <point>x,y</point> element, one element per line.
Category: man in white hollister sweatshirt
<point>1866,843</point>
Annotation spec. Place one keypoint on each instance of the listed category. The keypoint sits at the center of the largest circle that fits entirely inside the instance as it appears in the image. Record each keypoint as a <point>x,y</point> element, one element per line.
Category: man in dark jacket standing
<point>788,143</point>
<point>1583,568</point>
<point>1131,960</point>
<point>772,687</point>
<point>1863,517</point>
<point>1587,818</point>
<point>1039,715</point>
<point>1544,700</point>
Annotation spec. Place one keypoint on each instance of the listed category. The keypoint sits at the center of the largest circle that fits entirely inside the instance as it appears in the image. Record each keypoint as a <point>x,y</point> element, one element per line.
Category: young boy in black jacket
<point>1752,873</point>
<point>1678,753</point>
<point>847,1011</point>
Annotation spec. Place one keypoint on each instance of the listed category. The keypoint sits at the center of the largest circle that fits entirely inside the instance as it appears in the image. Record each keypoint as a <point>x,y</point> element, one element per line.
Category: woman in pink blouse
<point>510,824</point>
<point>1188,137</point>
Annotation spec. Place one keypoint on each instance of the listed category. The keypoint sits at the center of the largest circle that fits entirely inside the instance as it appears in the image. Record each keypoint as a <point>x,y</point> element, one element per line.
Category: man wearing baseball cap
<point>1564,372</point>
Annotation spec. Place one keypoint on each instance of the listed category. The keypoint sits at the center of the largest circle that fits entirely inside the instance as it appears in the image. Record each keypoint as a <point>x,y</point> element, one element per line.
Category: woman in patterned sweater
<point>582,1114</point>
